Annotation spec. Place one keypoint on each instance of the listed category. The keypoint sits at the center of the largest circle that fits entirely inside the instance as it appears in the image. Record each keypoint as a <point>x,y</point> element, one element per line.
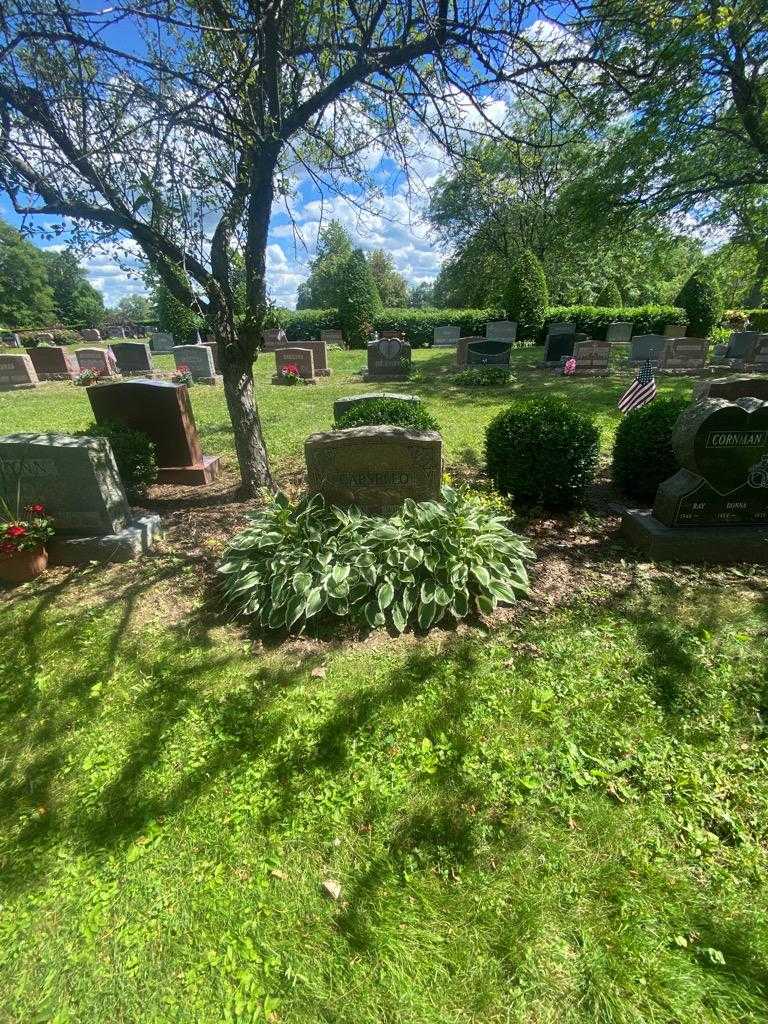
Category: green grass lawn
<point>560,819</point>
<point>290,414</point>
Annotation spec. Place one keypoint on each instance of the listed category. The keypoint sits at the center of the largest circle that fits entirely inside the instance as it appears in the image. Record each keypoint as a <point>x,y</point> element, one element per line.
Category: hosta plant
<point>431,561</point>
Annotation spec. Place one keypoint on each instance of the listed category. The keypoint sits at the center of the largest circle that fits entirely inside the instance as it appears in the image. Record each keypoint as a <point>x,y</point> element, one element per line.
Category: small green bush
<point>387,411</point>
<point>360,302</point>
<point>543,452</point>
<point>610,296</point>
<point>135,455</point>
<point>642,450</point>
<point>483,377</point>
<point>753,319</point>
<point>526,297</point>
<point>700,297</point>
<point>430,560</point>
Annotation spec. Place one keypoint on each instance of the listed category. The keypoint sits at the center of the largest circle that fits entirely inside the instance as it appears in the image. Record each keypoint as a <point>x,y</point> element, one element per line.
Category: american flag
<point>641,391</point>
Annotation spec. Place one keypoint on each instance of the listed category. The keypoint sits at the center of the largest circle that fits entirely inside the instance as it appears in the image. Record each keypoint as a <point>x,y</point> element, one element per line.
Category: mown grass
<point>289,415</point>
<point>563,821</point>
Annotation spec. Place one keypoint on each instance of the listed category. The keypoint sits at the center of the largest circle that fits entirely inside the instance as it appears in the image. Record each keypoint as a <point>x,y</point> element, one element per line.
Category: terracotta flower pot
<point>23,565</point>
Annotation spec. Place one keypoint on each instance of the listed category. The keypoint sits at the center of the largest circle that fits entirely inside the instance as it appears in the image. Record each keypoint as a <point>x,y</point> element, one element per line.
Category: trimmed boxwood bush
<point>387,411</point>
<point>542,452</point>
<point>483,377</point>
<point>642,451</point>
<point>526,296</point>
<point>416,325</point>
<point>594,321</point>
<point>135,455</point>
<point>701,298</point>
<point>430,561</point>
<point>360,302</point>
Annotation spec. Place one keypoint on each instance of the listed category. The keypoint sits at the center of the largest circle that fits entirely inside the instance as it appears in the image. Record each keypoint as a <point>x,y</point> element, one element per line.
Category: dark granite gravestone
<point>462,345</point>
<point>342,405</point>
<point>489,353</point>
<point>684,354</point>
<point>675,331</point>
<point>388,359</point>
<point>133,358</point>
<point>731,388</point>
<point>592,356</point>
<point>374,468</point>
<point>77,480</point>
<point>301,358</point>
<point>199,361</point>
<point>100,360</point>
<point>53,362</point>
<point>17,373</point>
<point>501,330</point>
<point>741,345</point>
<point>760,357</point>
<point>561,327</point>
<point>161,341</point>
<point>161,410</point>
<point>274,338</point>
<point>715,508</point>
<point>619,332</point>
<point>558,347</point>
<point>647,346</point>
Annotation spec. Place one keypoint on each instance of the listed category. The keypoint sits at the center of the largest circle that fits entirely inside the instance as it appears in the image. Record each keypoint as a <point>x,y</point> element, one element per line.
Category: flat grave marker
<point>374,468</point>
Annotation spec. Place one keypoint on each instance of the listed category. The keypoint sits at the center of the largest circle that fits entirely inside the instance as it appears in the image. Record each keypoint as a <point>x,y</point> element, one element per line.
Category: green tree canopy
<point>323,287</point>
<point>360,302</point>
<point>26,298</point>
<point>392,286</point>
<point>78,303</point>
<point>526,297</point>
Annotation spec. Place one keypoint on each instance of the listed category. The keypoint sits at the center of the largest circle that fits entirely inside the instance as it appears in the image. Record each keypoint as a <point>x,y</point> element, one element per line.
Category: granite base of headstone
<point>388,359</point>
<point>343,405</point>
<point>198,359</point>
<point>300,357</point>
<point>53,362</point>
<point>715,508</point>
<point>133,358</point>
<point>374,468</point>
<point>17,373</point>
<point>76,478</point>
<point>162,410</point>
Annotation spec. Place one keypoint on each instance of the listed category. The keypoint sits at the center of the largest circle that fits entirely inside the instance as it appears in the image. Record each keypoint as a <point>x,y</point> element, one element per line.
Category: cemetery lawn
<point>556,819</point>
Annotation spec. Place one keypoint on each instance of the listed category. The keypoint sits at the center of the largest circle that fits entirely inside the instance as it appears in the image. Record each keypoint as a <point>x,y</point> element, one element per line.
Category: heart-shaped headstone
<point>723,441</point>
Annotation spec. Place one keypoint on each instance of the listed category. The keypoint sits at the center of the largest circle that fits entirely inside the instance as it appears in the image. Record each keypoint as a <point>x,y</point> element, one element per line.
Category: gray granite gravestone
<point>133,358</point>
<point>675,330</point>
<point>647,346</point>
<point>443,337</point>
<point>760,356</point>
<point>592,356</point>
<point>274,338</point>
<point>715,508</point>
<point>214,347</point>
<point>620,332</point>
<point>77,480</point>
<point>731,388</point>
<point>116,332</point>
<point>684,354</point>
<point>301,358</point>
<point>199,361</point>
<point>53,362</point>
<point>389,359</point>
<point>561,328</point>
<point>501,330</point>
<point>161,341</point>
<point>332,337</point>
<point>374,468</point>
<point>100,360</point>
<point>88,334</point>
<point>11,340</point>
<point>343,405</point>
<point>319,351</point>
<point>489,353</point>
<point>17,373</point>
<point>740,347</point>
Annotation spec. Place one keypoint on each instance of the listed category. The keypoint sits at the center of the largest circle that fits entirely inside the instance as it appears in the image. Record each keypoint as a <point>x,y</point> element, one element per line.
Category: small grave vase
<point>22,566</point>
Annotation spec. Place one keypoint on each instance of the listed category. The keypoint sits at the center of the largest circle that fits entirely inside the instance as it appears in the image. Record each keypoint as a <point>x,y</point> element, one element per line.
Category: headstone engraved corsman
<point>374,468</point>
<point>301,358</point>
<point>77,480</point>
<point>343,405</point>
<point>199,361</point>
<point>501,330</point>
<point>17,373</point>
<point>388,359</point>
<point>715,508</point>
<point>53,362</point>
<point>161,410</point>
<point>133,358</point>
<point>444,337</point>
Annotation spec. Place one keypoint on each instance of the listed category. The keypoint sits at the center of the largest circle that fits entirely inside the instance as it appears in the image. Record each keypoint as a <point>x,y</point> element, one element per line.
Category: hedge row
<point>418,324</point>
<point>595,320</point>
<point>758,318</point>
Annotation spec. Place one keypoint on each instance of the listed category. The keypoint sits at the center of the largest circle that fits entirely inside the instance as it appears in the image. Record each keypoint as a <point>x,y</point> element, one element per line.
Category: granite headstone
<point>462,346</point>
<point>592,356</point>
<point>53,362</point>
<point>647,346</point>
<point>133,358</point>
<point>501,330</point>
<point>274,338</point>
<point>17,373</point>
<point>11,340</point>
<point>443,337</point>
<point>301,358</point>
<point>100,360</point>
<point>389,359</point>
<point>161,341</point>
<point>489,353</point>
<point>684,354</point>
<point>619,332</point>
<point>675,330</point>
<point>199,361</point>
<point>731,388</point>
<point>333,337</point>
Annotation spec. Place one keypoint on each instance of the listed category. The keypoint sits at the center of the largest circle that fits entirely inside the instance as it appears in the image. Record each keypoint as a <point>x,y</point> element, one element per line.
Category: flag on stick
<point>641,391</point>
